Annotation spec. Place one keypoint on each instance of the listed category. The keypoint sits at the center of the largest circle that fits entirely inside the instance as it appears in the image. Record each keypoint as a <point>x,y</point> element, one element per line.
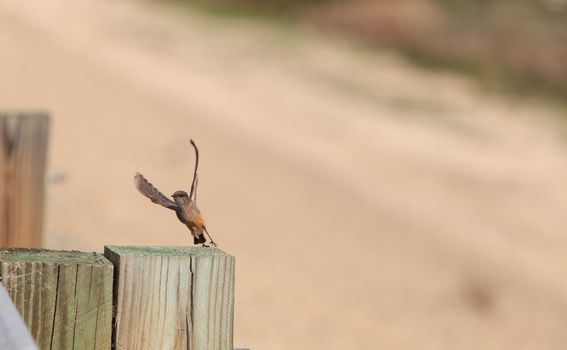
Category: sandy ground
<point>369,204</point>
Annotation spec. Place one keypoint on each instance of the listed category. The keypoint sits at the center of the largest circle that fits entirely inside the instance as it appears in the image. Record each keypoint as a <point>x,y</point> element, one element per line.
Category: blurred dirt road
<point>369,204</point>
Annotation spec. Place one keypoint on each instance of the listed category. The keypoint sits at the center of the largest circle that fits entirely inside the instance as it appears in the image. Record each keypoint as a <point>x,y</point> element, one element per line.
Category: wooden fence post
<point>23,145</point>
<point>173,298</point>
<point>65,298</point>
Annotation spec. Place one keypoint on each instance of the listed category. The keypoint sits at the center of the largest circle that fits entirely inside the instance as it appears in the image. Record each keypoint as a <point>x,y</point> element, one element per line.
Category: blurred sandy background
<point>370,204</point>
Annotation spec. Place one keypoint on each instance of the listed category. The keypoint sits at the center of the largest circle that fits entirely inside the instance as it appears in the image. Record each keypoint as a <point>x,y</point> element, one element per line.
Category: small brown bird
<point>184,205</point>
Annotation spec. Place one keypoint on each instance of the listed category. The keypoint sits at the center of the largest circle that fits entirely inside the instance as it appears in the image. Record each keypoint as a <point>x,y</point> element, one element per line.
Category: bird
<point>184,204</point>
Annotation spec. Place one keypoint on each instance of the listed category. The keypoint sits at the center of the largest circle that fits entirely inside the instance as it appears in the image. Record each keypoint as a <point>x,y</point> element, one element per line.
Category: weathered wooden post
<point>173,298</point>
<point>23,145</point>
<point>64,298</point>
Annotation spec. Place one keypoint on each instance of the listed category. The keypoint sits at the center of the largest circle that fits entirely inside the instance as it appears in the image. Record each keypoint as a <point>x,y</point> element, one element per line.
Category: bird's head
<point>180,197</point>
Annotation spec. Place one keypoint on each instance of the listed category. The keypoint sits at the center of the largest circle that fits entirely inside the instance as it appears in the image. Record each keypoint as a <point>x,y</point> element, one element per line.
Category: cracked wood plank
<point>173,298</point>
<point>64,298</point>
<point>23,151</point>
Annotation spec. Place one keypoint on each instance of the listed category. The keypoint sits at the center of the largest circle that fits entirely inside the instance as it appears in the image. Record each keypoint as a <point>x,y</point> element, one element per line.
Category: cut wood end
<point>163,251</point>
<point>52,256</point>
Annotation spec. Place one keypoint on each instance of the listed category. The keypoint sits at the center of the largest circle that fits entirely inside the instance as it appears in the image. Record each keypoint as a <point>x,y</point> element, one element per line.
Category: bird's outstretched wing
<point>148,190</point>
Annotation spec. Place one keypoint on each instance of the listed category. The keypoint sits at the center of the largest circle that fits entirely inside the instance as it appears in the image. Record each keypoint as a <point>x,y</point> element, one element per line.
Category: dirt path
<point>369,204</point>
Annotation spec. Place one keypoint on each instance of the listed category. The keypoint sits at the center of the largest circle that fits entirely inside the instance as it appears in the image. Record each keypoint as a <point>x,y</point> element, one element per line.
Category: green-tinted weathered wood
<point>65,298</point>
<point>173,298</point>
<point>23,154</point>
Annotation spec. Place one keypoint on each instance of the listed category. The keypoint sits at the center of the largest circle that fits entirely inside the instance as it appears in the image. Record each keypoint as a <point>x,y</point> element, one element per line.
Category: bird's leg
<point>210,238</point>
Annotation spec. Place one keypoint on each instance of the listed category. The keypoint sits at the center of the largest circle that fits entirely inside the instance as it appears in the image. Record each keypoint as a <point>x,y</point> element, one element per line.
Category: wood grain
<point>173,298</point>
<point>23,151</point>
<point>64,298</point>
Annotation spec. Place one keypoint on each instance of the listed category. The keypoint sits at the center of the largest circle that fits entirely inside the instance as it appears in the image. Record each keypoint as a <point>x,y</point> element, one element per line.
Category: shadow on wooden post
<point>23,151</point>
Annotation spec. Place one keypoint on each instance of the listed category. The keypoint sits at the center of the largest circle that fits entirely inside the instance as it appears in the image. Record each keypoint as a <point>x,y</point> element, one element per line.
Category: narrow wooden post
<point>13,332</point>
<point>23,144</point>
<point>173,298</point>
<point>65,298</point>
